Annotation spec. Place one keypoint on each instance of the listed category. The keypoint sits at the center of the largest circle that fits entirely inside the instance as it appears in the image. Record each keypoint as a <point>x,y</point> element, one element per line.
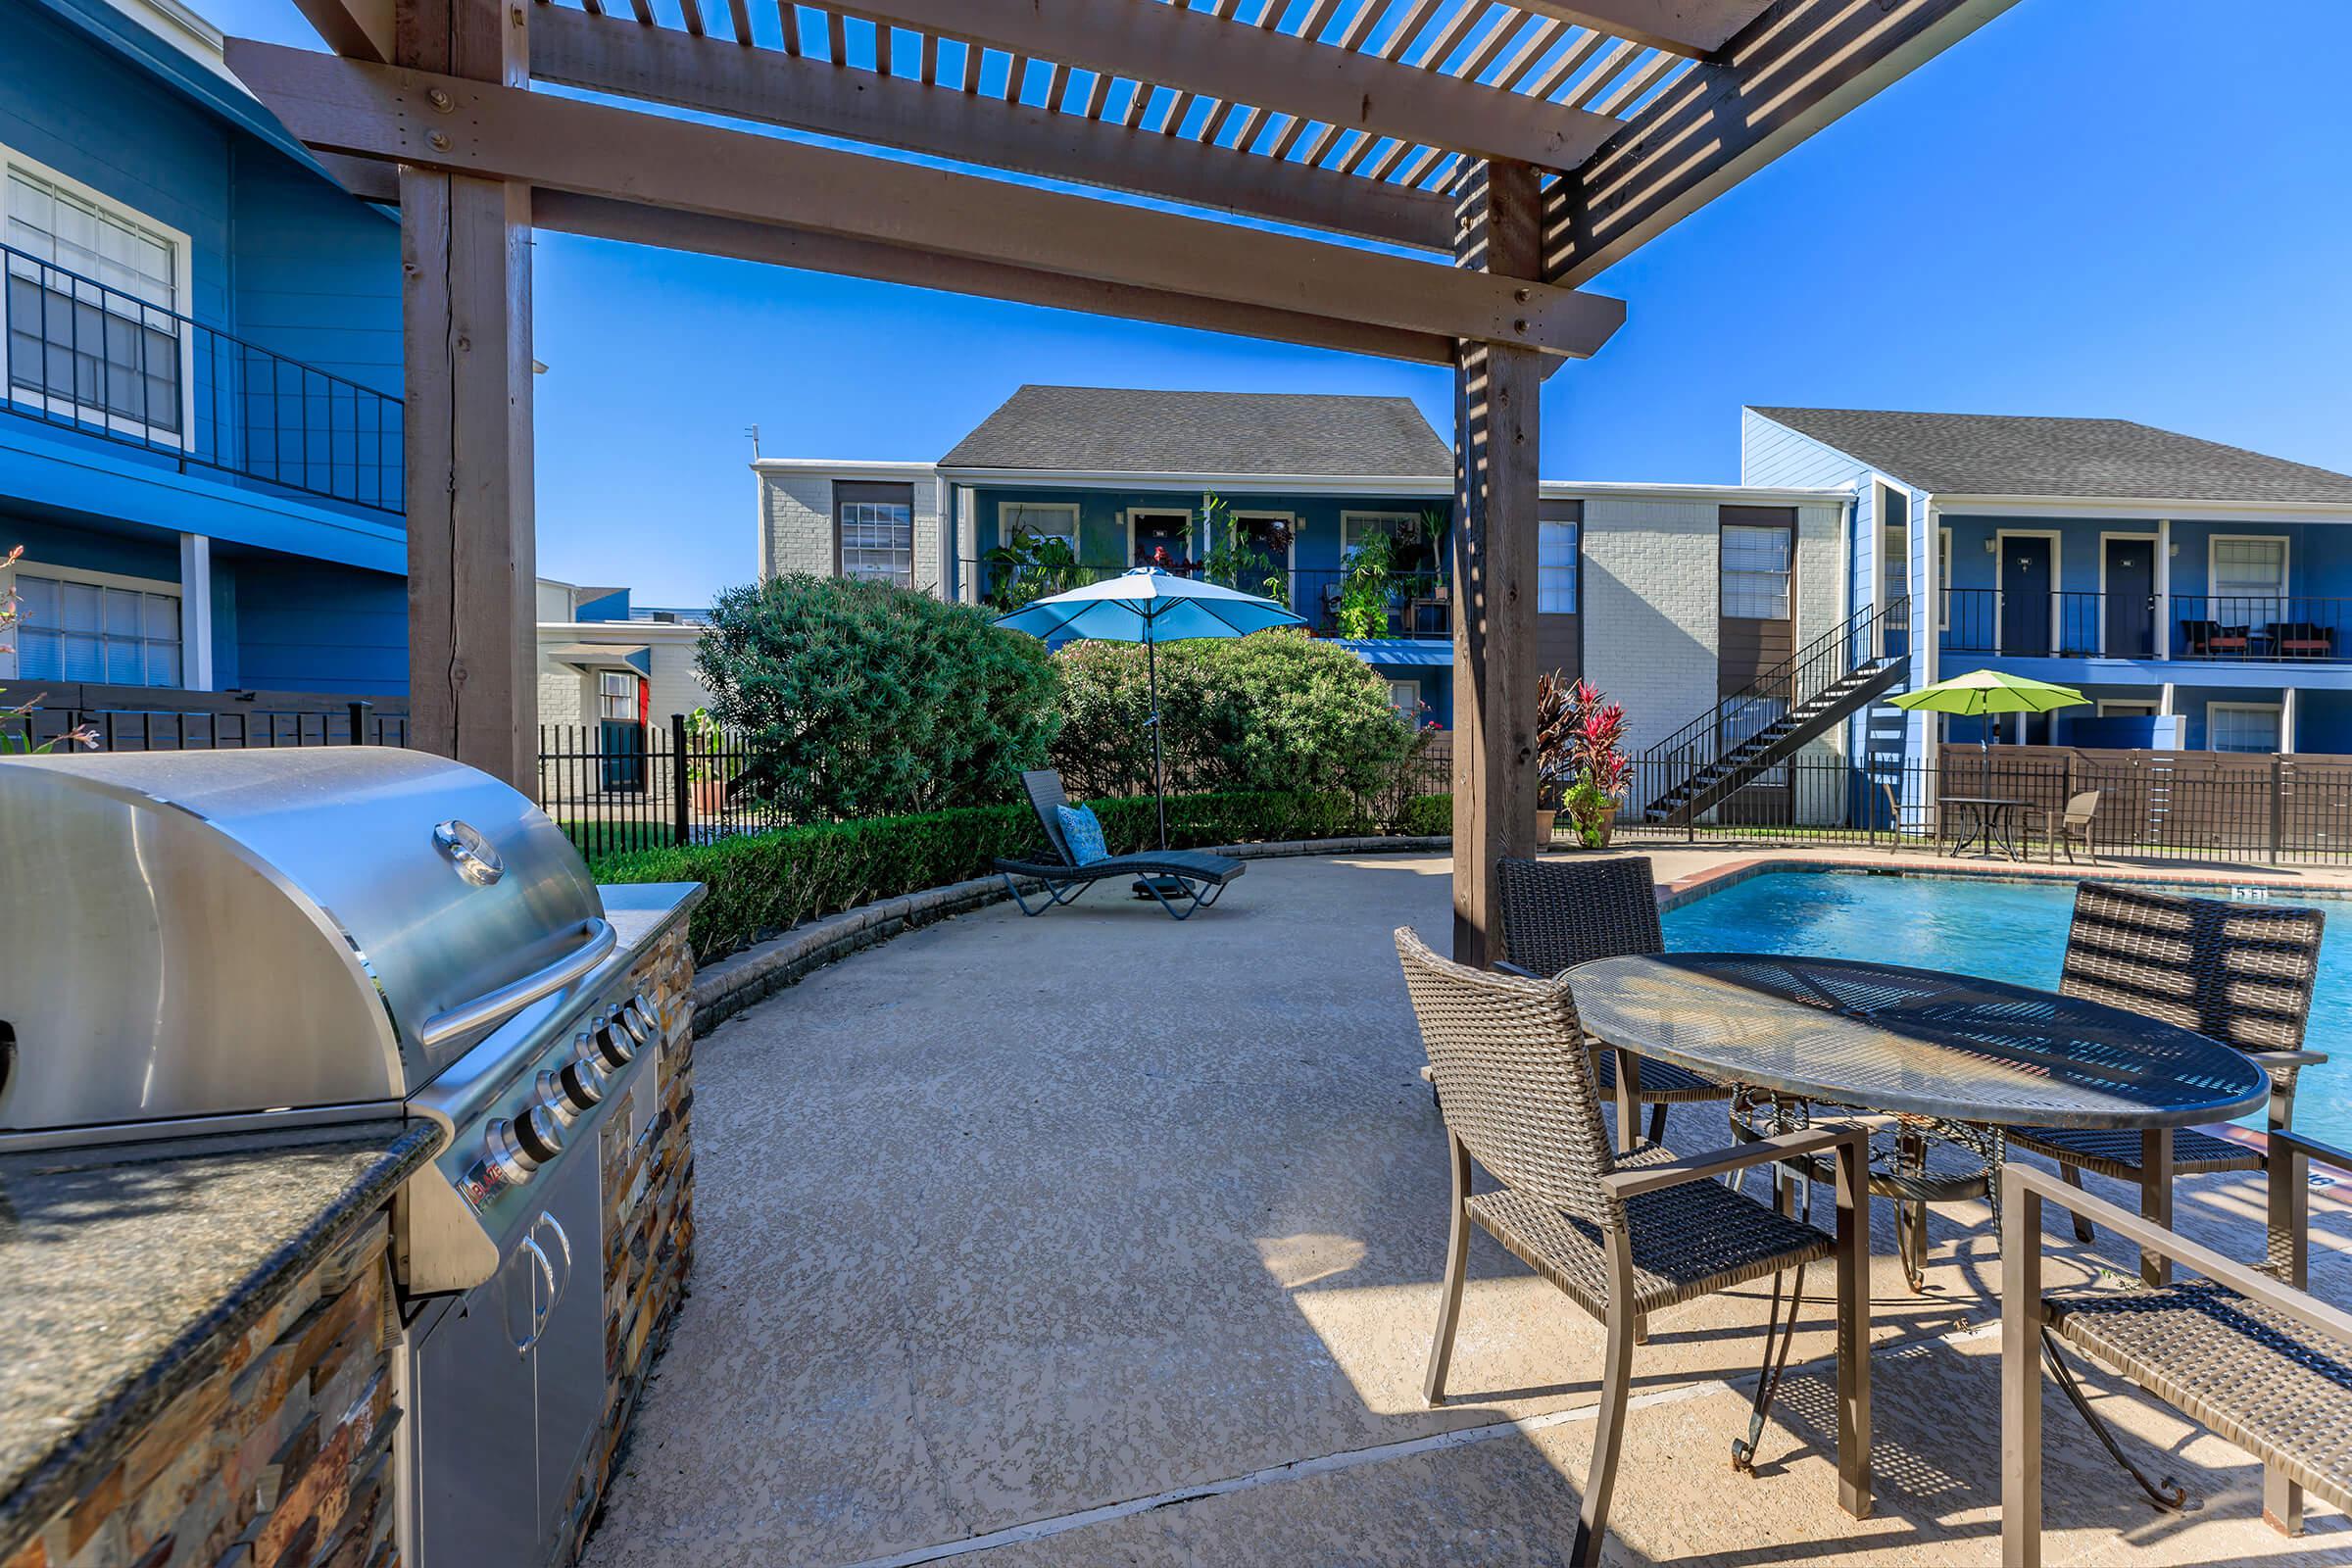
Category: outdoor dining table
<point>1951,1058</point>
<point>1992,823</point>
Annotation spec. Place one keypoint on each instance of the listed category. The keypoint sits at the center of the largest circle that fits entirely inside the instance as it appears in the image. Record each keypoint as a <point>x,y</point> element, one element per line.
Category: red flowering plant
<point>16,727</point>
<point>1595,765</point>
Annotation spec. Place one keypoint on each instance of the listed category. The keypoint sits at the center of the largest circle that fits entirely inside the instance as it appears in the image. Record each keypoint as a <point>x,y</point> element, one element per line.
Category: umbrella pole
<point>1159,770</point>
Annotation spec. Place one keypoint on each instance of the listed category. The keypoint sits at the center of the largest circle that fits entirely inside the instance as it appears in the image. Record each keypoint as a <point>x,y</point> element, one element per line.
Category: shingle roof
<point>1126,430</point>
<point>2013,455</point>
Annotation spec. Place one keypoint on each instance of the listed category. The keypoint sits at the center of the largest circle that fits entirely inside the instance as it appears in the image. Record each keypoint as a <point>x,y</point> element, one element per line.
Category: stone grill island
<point>345,1162</point>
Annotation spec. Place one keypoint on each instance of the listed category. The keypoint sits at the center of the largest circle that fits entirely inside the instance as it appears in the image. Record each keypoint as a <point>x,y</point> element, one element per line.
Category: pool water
<point>2013,931</point>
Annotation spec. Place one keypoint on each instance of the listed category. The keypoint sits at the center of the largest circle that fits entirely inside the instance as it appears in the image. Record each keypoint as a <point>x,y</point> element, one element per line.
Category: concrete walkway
<point>1096,1239</point>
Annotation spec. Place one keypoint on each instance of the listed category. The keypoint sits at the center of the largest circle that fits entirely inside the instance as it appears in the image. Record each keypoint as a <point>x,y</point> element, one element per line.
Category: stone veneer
<point>281,1454</point>
<point>649,1220</point>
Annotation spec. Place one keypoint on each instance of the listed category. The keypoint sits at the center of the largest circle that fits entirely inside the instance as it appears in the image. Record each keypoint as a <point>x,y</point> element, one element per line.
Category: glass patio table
<point>1949,1057</point>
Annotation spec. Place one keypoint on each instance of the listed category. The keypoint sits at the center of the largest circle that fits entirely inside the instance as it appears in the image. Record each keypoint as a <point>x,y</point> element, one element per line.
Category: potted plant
<point>1555,750</point>
<point>711,771</point>
<point>1596,748</point>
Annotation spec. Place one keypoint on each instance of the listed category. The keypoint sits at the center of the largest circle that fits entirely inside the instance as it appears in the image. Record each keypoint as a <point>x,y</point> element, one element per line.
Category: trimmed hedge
<point>1426,816</point>
<point>765,884</point>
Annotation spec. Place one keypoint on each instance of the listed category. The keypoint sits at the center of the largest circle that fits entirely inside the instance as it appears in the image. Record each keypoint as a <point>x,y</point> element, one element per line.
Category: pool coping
<point>1714,879</point>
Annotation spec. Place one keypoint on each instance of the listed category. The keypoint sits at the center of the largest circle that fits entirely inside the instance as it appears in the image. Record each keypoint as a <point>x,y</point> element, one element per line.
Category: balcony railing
<point>2085,625</point>
<point>1407,603</point>
<point>88,357</point>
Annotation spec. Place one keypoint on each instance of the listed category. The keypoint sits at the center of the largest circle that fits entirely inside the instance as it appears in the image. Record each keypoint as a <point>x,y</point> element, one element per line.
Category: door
<point>621,730</point>
<point>474,1433</point>
<point>1266,543</point>
<point>1159,539</point>
<point>2024,596</point>
<point>2131,599</point>
<point>570,1354</point>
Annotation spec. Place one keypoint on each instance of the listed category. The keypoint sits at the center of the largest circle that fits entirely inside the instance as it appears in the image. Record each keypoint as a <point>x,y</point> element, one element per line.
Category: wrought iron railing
<point>1867,638</point>
<point>95,358</point>
<point>2015,624</point>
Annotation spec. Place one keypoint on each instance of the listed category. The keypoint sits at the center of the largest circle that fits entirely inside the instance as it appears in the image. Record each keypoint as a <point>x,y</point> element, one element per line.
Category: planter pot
<point>1543,822</point>
<point>709,795</point>
<point>1604,827</point>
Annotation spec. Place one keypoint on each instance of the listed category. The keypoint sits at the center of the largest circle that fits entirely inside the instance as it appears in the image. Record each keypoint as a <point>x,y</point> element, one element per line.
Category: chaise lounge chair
<point>1198,878</point>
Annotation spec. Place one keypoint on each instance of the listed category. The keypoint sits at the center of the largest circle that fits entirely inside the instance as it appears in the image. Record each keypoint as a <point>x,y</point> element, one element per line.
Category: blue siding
<point>308,627</point>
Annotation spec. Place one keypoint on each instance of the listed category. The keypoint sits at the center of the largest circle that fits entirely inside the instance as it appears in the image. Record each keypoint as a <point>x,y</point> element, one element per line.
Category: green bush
<point>767,883</point>
<point>1426,816</point>
<point>1276,711</point>
<point>859,698</point>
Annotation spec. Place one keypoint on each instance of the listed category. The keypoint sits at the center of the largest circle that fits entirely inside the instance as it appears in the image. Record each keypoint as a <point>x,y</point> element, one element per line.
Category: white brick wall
<point>796,526</point>
<point>1650,591</point>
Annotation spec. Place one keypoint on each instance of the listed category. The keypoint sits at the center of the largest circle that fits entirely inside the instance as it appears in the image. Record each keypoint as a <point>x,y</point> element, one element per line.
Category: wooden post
<point>1496,463</point>
<point>465,300</point>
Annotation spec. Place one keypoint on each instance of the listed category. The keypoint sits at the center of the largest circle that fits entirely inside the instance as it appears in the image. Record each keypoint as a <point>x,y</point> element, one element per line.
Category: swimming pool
<point>2012,931</point>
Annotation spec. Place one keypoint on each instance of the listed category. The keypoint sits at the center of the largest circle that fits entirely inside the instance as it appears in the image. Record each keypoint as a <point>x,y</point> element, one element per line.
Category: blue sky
<point>2091,207</point>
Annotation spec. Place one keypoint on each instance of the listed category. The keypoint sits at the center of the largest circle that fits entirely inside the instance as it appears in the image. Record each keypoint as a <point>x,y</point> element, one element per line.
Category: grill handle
<point>495,1006</point>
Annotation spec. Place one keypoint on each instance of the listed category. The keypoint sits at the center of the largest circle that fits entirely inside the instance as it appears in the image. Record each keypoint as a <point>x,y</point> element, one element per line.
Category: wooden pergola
<point>1530,144</point>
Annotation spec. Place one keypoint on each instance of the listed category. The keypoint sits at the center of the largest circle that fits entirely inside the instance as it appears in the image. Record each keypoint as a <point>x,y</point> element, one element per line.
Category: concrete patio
<point>1094,1239</point>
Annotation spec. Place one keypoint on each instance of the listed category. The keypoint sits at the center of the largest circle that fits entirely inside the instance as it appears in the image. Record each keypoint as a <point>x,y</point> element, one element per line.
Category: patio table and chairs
<point>1987,821</point>
<point>1623,1235</point>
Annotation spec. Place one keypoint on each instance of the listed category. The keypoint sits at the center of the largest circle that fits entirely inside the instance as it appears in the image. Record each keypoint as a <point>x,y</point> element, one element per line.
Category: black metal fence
<point>2270,810</point>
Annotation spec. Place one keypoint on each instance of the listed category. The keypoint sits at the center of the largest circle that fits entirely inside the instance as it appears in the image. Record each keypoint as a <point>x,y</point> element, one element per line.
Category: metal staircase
<point>1746,735</point>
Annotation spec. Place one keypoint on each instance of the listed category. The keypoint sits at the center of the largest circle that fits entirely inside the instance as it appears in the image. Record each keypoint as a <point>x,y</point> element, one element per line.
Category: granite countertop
<point>124,1269</point>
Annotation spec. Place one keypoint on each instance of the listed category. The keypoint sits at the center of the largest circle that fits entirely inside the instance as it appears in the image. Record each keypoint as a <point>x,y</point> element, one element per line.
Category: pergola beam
<point>620,57</point>
<point>357,29</point>
<point>602,219</point>
<point>1694,28</point>
<point>1210,55</point>
<point>424,119</point>
<point>1802,65</point>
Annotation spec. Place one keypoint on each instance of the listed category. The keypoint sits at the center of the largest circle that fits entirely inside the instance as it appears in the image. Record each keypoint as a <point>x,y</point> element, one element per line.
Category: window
<point>1404,696</point>
<point>1050,520</point>
<point>876,526</point>
<point>2242,727</point>
<point>2249,581</point>
<point>93,291</point>
<point>616,697</point>
<point>1755,571</point>
<point>1556,576</point>
<point>1357,526</point>
<point>1894,545</point>
<point>108,631</point>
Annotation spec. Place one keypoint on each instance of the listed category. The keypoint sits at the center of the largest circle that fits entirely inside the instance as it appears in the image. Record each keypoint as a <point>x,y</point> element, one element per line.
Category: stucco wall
<point>1651,587</point>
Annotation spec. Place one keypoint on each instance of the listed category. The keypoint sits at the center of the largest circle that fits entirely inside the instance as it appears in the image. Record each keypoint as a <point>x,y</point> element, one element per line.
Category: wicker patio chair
<point>1622,1235</point>
<point>1560,912</point>
<point>2246,1352</point>
<point>2239,973</point>
<point>1184,881</point>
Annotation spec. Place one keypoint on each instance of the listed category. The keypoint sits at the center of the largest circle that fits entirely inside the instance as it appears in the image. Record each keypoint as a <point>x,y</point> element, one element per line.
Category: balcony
<point>1407,603</point>
<point>2256,628</point>
<point>91,359</point>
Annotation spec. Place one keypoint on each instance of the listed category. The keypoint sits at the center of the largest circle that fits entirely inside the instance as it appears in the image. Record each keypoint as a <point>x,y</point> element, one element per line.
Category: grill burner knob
<point>519,1148</point>
<point>614,1050</point>
<point>637,1018</point>
<point>574,1088</point>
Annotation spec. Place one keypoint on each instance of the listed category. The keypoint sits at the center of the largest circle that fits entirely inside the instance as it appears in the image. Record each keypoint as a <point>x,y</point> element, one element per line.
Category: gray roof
<point>1089,429</point>
<point>2013,455</point>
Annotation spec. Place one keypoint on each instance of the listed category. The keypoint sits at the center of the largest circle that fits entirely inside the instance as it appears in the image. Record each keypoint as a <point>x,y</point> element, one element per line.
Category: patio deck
<point>1094,1239</point>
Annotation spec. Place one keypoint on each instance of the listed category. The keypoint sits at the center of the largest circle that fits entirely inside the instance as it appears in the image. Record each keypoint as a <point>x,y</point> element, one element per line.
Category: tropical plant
<point>1029,565</point>
<point>1556,739</point>
<point>1363,609</point>
<point>857,699</point>
<point>709,757</point>
<point>15,741</point>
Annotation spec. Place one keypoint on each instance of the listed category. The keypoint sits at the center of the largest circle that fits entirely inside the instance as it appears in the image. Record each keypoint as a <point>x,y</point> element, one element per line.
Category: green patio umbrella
<point>1984,692</point>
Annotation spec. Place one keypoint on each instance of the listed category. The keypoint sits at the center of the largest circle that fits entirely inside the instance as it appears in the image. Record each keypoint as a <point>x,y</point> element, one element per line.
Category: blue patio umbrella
<point>1149,606</point>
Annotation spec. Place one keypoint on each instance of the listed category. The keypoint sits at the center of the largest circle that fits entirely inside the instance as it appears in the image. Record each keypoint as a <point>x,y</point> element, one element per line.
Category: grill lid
<point>224,933</point>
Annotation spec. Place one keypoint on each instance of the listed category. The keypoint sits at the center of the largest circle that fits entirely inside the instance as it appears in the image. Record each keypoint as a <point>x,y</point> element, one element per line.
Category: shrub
<point>766,883</point>
<point>861,697</point>
<point>1426,816</point>
<point>1275,711</point>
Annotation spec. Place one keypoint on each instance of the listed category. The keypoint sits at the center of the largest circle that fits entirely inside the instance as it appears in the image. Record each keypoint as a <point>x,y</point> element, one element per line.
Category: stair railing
<point>1860,643</point>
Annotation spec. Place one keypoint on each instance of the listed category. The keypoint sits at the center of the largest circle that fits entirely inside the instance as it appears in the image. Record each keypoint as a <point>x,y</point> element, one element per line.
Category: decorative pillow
<point>1083,833</point>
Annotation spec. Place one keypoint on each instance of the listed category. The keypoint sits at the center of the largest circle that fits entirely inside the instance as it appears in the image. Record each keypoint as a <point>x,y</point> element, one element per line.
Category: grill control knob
<point>614,1050</point>
<point>569,1091</point>
<point>519,1148</point>
<point>634,1016</point>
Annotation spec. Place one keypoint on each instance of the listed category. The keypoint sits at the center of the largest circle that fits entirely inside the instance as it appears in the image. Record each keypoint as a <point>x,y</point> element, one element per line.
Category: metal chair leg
<point>1911,1244</point>
<point>2167,1494</point>
<point>1657,1122</point>
<point>1768,1376</point>
<point>2072,1177</point>
<point>1608,1434</point>
<point>2281,1501</point>
<point>1458,1268</point>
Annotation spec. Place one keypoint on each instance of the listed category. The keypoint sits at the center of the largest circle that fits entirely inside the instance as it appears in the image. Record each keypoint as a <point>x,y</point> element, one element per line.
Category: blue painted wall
<point>313,626</point>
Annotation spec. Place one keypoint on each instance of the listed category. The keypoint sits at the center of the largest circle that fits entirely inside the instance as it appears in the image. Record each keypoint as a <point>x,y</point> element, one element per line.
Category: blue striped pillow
<point>1083,834</point>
